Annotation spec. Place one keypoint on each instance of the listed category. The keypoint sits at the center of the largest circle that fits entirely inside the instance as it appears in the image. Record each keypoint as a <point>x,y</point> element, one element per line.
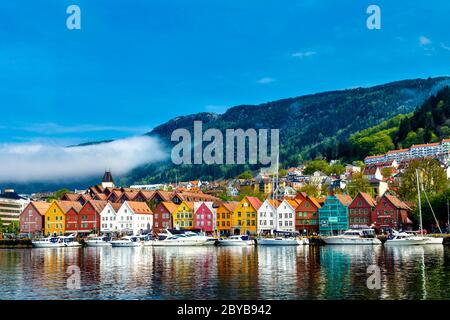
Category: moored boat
<point>404,239</point>
<point>127,241</point>
<point>49,242</point>
<point>98,241</point>
<point>241,240</point>
<point>70,241</point>
<point>354,237</point>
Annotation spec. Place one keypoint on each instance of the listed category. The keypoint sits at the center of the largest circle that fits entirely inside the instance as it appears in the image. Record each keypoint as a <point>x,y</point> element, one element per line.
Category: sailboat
<point>432,240</point>
<point>404,238</point>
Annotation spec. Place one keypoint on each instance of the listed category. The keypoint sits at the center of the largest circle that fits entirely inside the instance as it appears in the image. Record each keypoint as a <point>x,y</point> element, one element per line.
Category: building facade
<point>245,216</point>
<point>32,219</point>
<point>333,216</point>
<point>267,216</point>
<point>225,217</point>
<point>204,217</point>
<point>307,215</point>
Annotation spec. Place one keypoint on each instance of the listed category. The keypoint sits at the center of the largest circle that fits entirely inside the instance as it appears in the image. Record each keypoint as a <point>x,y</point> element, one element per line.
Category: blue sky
<point>136,64</point>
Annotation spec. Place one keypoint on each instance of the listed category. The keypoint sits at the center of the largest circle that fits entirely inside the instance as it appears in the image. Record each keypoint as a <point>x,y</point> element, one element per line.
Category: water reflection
<point>330,272</point>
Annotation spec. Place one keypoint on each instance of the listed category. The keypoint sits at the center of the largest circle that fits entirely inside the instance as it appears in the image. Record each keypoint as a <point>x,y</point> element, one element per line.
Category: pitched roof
<point>41,206</point>
<point>254,202</point>
<point>70,196</point>
<point>293,203</point>
<point>67,205</point>
<point>100,196</point>
<point>98,205</point>
<point>147,194</point>
<point>115,205</point>
<point>315,202</point>
<point>170,206</point>
<point>345,199</point>
<point>368,198</point>
<point>397,202</point>
<point>231,205</point>
<point>139,207</point>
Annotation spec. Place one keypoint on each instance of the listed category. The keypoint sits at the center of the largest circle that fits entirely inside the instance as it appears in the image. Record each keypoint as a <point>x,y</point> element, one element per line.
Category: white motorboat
<point>405,239</point>
<point>236,241</point>
<point>354,237</point>
<point>430,240</point>
<point>98,241</point>
<point>188,238</point>
<point>280,241</point>
<point>434,240</point>
<point>70,241</point>
<point>127,241</point>
<point>49,242</point>
<point>146,240</point>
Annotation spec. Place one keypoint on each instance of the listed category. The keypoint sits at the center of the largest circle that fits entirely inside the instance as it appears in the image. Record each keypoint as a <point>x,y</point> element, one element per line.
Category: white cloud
<point>266,80</point>
<point>424,41</point>
<point>33,162</point>
<point>304,54</point>
<point>445,47</point>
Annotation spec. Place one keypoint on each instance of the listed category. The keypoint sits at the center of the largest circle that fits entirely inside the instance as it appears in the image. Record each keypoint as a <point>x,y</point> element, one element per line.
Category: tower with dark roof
<point>108,181</point>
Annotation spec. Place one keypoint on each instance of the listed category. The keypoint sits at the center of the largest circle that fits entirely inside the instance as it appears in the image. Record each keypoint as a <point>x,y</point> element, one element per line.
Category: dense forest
<point>429,123</point>
<point>310,126</point>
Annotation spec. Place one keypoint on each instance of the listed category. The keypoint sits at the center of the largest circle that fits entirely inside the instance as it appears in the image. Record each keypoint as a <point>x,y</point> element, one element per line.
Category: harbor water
<point>303,272</point>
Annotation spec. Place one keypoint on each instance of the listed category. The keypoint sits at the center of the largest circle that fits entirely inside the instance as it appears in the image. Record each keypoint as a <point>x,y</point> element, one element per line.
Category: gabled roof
<point>254,202</point>
<point>139,207</point>
<point>147,194</point>
<point>189,204</point>
<point>170,206</point>
<point>100,196</point>
<point>115,205</point>
<point>315,202</point>
<point>231,205</point>
<point>68,196</point>
<point>397,202</point>
<point>345,199</point>
<point>368,199</point>
<point>67,205</point>
<point>98,205</point>
<point>41,206</point>
<point>293,203</point>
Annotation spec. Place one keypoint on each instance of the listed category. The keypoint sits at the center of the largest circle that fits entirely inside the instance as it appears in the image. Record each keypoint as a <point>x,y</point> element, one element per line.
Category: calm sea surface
<point>304,272</point>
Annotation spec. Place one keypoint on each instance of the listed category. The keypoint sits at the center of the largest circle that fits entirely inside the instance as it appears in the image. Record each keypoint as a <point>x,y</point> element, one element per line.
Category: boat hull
<point>125,244</point>
<point>176,243</point>
<point>97,244</point>
<point>47,245</point>
<point>435,240</point>
<point>228,243</point>
<point>351,241</point>
<point>278,242</point>
<point>406,242</point>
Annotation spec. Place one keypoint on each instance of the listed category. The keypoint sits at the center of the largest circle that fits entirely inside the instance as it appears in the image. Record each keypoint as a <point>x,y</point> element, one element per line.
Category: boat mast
<point>419,202</point>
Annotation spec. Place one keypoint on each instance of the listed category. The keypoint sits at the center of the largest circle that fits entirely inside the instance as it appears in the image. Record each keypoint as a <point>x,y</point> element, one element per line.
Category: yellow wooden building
<point>55,216</point>
<point>183,217</point>
<point>244,217</point>
<point>224,217</point>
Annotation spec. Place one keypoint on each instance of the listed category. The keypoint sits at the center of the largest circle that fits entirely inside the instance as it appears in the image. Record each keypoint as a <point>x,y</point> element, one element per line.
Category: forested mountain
<point>428,123</point>
<point>329,124</point>
<point>310,126</point>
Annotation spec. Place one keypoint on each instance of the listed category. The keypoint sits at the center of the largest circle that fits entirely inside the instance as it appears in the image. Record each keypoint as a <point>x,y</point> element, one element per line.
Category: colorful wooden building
<point>162,216</point>
<point>89,216</point>
<point>307,215</point>
<point>245,216</point>
<point>333,215</point>
<point>391,213</point>
<point>32,218</point>
<point>55,217</point>
<point>204,217</point>
<point>183,217</point>
<point>361,210</point>
<point>224,217</point>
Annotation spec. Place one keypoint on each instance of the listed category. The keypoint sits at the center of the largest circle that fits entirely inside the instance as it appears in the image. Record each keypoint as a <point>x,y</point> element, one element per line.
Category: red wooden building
<point>204,216</point>
<point>361,210</point>
<point>391,212</point>
<point>162,216</point>
<point>89,216</point>
<point>306,214</point>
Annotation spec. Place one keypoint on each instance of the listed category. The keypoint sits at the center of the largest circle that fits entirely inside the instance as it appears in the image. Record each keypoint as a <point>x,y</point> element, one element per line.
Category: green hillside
<point>429,123</point>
